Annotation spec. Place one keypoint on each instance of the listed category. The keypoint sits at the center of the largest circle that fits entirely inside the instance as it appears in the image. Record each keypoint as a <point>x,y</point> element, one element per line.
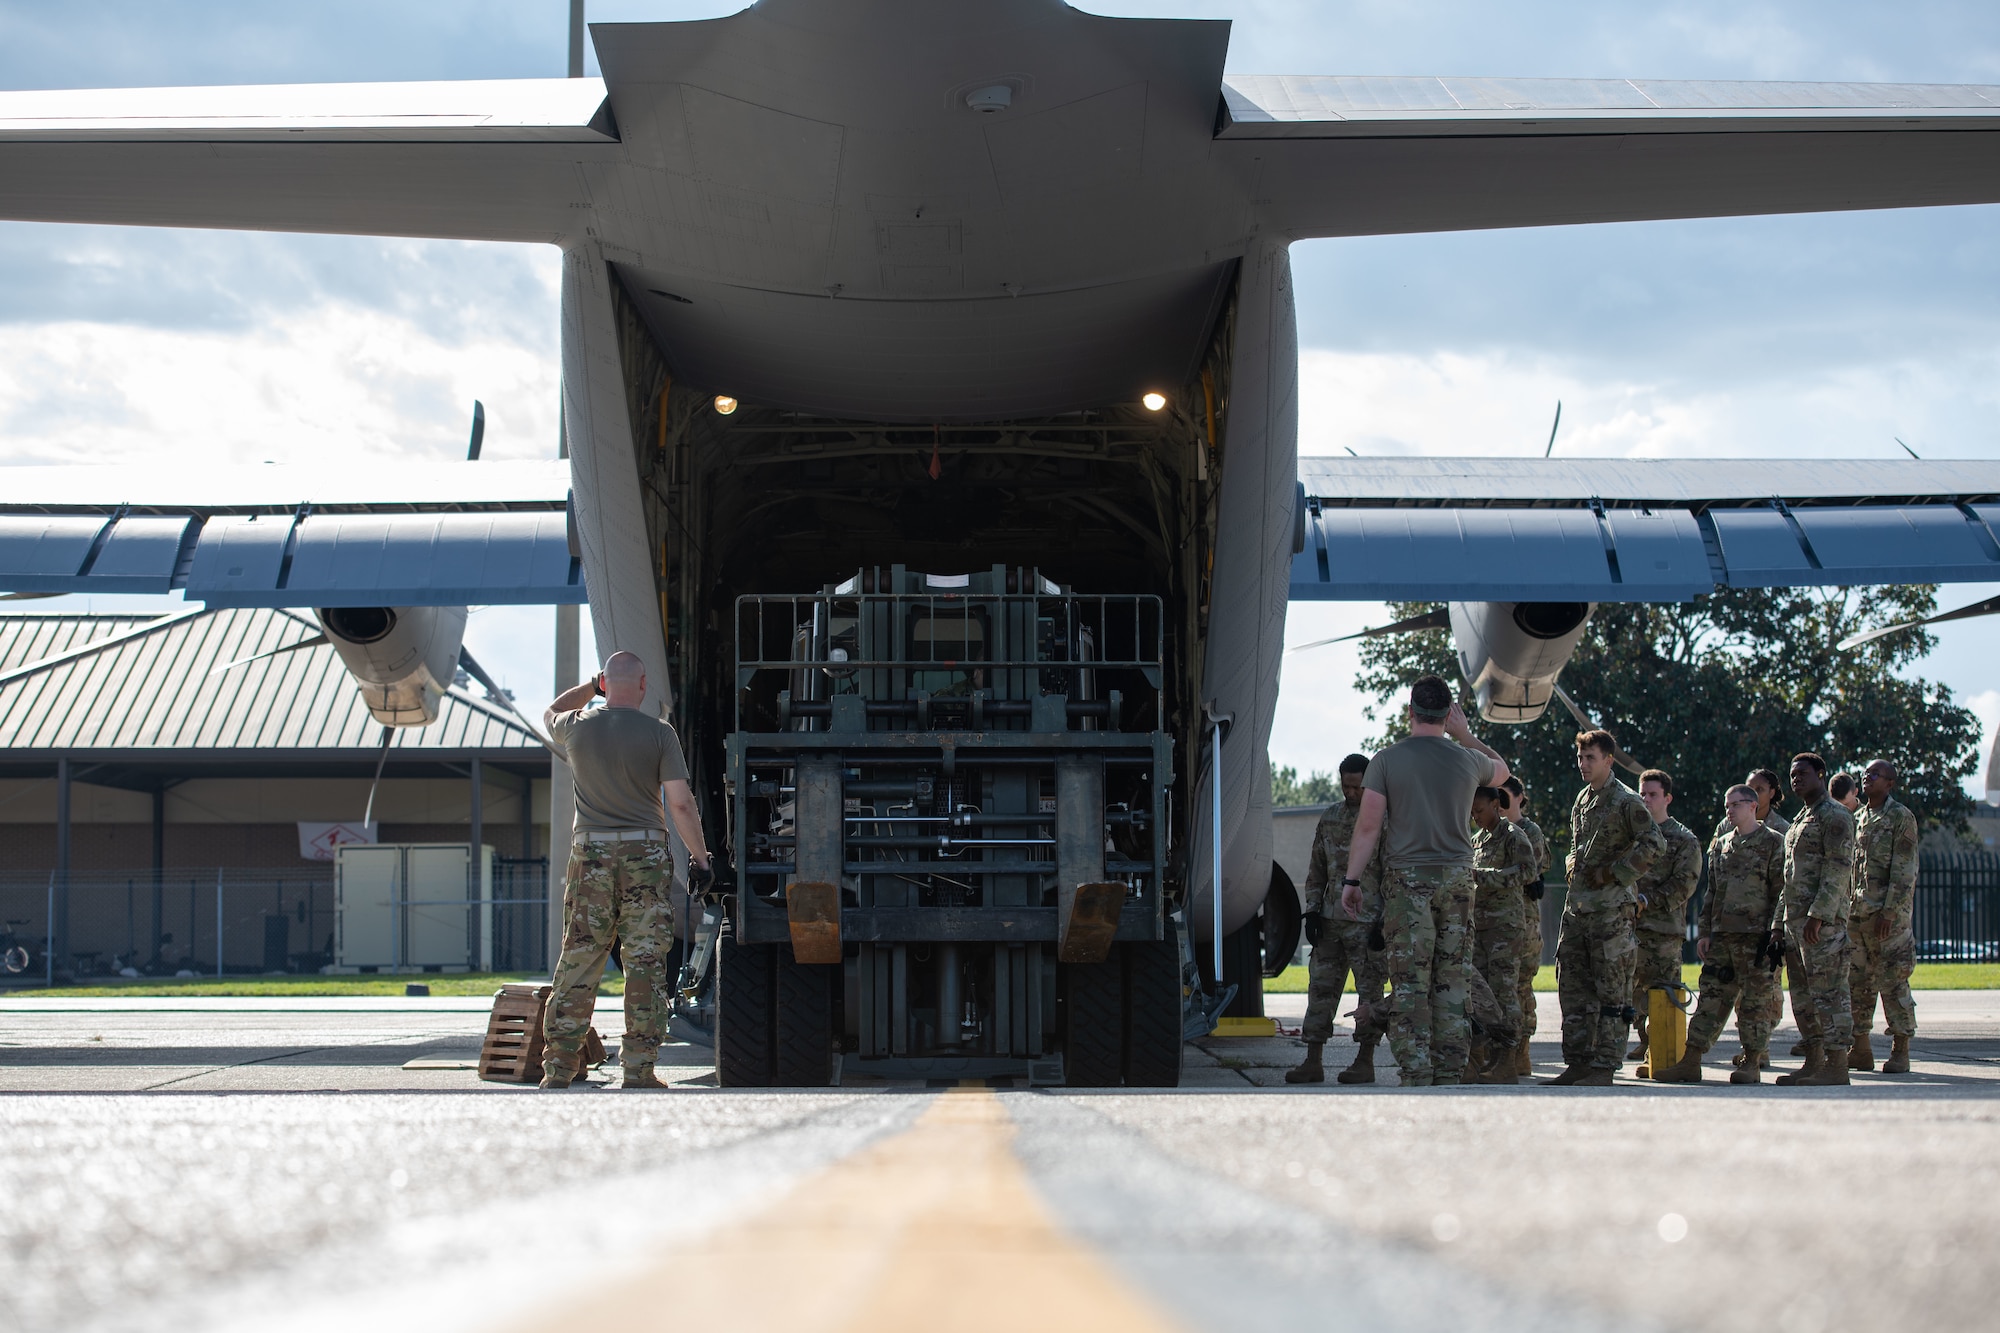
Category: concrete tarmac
<point>220,1164</point>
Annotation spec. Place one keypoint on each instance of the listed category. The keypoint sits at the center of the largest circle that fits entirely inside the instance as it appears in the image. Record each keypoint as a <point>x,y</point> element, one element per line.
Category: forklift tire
<point>1093,1022</point>
<point>744,1009</point>
<point>1153,1017</point>
<point>804,1021</point>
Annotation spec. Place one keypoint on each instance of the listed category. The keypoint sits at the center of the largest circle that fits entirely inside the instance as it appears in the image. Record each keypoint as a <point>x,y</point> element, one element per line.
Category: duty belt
<point>620,835</point>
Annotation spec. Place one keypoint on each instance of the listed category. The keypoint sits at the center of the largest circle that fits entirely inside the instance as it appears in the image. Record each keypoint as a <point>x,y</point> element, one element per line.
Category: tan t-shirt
<point>620,757</point>
<point>1428,781</point>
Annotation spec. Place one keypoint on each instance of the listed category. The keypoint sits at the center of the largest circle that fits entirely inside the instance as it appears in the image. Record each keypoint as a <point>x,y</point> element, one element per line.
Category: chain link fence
<point>218,921</point>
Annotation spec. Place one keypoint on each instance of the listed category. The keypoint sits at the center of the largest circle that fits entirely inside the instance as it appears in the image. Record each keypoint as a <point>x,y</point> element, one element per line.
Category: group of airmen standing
<point>1437,915</point>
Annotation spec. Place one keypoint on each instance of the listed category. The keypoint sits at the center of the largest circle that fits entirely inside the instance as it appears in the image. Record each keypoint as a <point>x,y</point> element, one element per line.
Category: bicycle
<point>16,953</point>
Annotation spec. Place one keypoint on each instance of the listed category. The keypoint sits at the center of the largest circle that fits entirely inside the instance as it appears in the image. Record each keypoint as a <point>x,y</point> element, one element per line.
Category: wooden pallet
<point>512,1052</point>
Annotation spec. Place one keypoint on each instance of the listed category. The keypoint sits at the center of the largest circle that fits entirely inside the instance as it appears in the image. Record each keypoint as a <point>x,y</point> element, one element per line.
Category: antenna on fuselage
<point>576,39</point>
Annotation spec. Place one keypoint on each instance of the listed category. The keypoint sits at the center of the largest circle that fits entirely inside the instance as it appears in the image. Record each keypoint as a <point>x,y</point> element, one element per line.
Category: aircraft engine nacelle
<point>403,657</point>
<point>1511,652</point>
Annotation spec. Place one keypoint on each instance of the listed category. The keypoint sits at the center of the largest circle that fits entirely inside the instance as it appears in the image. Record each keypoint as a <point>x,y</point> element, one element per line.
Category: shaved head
<point>624,667</point>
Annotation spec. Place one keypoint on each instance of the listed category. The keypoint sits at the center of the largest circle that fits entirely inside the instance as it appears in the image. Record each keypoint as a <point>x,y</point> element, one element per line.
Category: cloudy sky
<point>1748,337</point>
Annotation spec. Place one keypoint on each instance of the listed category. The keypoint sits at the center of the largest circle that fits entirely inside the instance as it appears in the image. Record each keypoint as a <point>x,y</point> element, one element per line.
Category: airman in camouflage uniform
<point>1746,887</point>
<point>1819,874</point>
<point>1764,783</point>
<point>616,891</point>
<point>1881,949</point>
<point>1660,930</point>
<point>1417,795</point>
<point>1503,862</point>
<point>1340,944</point>
<point>1613,840</point>
<point>631,781</point>
<point>1531,934</point>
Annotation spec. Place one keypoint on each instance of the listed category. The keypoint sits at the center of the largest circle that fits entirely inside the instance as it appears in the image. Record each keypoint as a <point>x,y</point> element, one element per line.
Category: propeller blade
<point>1618,757</point>
<point>1428,620</point>
<point>313,641</point>
<point>478,431</point>
<point>1906,448</point>
<point>1991,606</point>
<point>1553,428</point>
<point>368,811</point>
<point>498,695</point>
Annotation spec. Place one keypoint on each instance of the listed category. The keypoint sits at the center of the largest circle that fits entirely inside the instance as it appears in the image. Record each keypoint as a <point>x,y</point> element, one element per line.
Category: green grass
<point>480,984</point>
<point>1928,976</point>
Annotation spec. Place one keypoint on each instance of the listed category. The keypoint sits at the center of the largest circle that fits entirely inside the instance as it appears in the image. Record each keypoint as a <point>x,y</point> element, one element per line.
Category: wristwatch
<point>1355,882</point>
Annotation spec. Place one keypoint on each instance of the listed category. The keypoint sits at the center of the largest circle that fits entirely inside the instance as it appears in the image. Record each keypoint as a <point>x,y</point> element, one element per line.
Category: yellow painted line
<point>934,1229</point>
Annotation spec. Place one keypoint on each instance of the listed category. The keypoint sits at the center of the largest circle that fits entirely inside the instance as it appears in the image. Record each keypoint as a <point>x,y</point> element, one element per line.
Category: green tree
<point>1318,789</point>
<point>1709,690</point>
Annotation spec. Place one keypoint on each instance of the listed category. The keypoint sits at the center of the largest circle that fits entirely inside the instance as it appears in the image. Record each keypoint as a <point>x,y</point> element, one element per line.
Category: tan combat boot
<point>1686,1070</point>
<point>1763,1059</point>
<point>1495,1065</point>
<point>1899,1056</point>
<point>1524,1060</point>
<point>1571,1074</point>
<point>1815,1055</point>
<point>1363,1068</point>
<point>1832,1071</point>
<point>640,1076</point>
<point>1638,1051</point>
<point>1863,1055</point>
<point>1800,1046</point>
<point>1746,1071</point>
<point>1310,1069</point>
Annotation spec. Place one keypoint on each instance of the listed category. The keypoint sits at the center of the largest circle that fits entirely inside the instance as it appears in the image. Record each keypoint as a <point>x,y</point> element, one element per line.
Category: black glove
<point>1315,926</point>
<point>1377,941</point>
<point>1535,891</point>
<point>701,878</point>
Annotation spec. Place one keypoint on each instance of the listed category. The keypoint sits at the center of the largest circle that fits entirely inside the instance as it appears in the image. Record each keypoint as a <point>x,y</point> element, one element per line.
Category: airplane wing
<point>492,159</point>
<point>1636,530</point>
<point>1354,156</point>
<point>454,534</point>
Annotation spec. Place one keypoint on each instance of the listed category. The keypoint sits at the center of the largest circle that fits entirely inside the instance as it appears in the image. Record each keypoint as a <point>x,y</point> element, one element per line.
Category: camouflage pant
<point>1658,963</point>
<point>1881,967</point>
<point>1731,975</point>
<point>1816,975</point>
<point>1343,948</point>
<point>1530,963</point>
<point>1496,959</point>
<point>1482,1008</point>
<point>614,891</point>
<point>1427,920</point>
<point>1772,1011</point>
<point>1594,960</point>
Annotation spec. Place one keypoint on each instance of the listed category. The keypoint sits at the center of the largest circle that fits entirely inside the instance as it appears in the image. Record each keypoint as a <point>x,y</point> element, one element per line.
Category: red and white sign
<point>317,841</point>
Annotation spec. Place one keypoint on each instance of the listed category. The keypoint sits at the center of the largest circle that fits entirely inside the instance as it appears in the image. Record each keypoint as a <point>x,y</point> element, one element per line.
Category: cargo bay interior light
<point>986,101</point>
<point>1154,400</point>
<point>724,404</point>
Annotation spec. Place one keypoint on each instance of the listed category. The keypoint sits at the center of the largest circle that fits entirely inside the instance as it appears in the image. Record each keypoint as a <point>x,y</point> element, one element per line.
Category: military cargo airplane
<point>1000,290</point>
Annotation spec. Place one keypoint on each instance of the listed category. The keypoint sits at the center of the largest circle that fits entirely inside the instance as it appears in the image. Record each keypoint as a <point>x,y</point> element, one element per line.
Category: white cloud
<point>327,380</point>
